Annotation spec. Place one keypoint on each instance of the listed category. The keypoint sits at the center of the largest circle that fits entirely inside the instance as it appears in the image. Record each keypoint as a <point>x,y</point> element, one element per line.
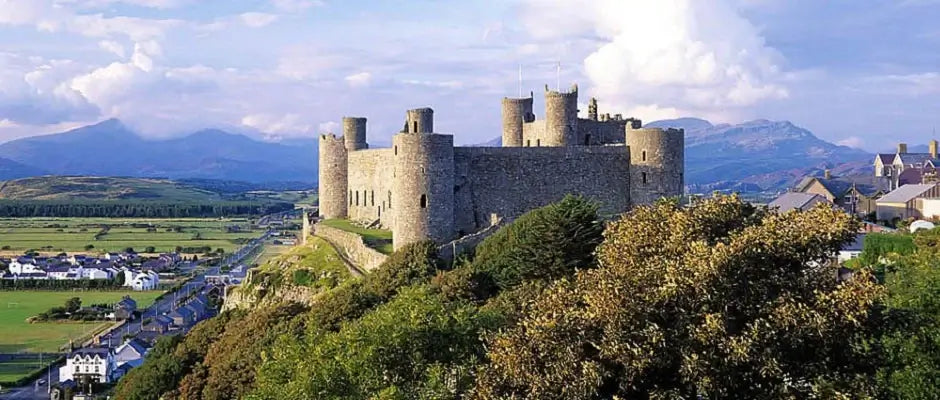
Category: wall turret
<point>423,187</point>
<point>657,159</point>
<point>419,120</point>
<point>354,133</point>
<point>561,117</point>
<point>333,178</point>
<point>515,113</point>
<point>592,109</point>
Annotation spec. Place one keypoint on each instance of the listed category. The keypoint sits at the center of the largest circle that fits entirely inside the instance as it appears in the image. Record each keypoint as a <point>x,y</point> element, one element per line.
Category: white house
<point>24,266</point>
<point>96,363</point>
<point>142,280</point>
<point>132,353</point>
<point>852,250</point>
<point>94,273</point>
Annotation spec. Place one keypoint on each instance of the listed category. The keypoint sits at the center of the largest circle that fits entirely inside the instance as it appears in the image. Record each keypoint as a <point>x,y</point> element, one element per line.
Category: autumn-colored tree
<point>717,299</point>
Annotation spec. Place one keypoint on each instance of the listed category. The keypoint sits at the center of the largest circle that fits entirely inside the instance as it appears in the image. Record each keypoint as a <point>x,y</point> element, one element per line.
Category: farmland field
<point>52,235</point>
<point>19,335</point>
<point>11,370</point>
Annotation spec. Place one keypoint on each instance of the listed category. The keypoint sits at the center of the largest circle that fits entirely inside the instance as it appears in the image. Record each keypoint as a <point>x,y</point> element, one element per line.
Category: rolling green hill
<point>69,188</point>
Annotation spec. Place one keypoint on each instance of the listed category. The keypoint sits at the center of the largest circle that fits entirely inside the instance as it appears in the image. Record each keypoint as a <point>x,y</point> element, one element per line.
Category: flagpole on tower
<point>558,76</point>
<point>520,81</point>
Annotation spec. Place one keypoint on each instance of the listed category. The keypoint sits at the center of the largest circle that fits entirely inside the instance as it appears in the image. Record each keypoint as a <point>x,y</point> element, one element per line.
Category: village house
<point>857,198</point>
<point>96,363</point>
<point>797,201</point>
<point>902,203</point>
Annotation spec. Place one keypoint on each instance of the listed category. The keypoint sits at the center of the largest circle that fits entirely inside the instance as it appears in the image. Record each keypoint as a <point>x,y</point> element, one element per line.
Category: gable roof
<point>885,158</point>
<point>905,193</point>
<point>916,159</point>
<point>796,201</point>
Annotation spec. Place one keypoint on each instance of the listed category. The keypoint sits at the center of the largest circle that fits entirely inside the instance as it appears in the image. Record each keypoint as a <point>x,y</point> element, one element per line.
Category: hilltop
<point>102,188</point>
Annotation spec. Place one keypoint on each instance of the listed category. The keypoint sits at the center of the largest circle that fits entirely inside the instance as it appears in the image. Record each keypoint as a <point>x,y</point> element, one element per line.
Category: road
<point>114,337</point>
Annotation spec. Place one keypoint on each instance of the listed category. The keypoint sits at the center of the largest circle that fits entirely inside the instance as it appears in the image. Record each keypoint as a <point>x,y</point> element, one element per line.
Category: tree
<point>73,304</point>
<point>150,249</point>
<point>715,300</point>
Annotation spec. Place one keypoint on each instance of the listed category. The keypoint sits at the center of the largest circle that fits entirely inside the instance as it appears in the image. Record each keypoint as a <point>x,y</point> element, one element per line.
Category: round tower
<point>515,113</point>
<point>561,117</point>
<point>333,181</point>
<point>657,162</point>
<point>419,120</point>
<point>423,188</point>
<point>354,133</point>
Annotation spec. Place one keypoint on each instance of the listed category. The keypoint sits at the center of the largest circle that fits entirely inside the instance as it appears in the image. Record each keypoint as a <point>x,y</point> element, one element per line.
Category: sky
<point>860,73</point>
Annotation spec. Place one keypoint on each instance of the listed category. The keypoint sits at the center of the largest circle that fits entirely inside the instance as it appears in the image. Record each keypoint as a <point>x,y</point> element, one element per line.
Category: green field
<point>16,306</point>
<point>75,234</point>
<point>100,188</point>
<point>379,239</point>
<point>12,370</point>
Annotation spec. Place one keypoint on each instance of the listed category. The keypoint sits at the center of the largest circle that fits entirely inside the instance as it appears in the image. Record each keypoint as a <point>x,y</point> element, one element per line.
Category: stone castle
<point>425,188</point>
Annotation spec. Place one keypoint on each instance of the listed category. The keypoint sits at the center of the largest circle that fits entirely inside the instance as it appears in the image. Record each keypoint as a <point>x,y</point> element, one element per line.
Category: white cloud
<point>852,141</point>
<point>277,124</point>
<point>257,19</point>
<point>329,127</point>
<point>685,54</point>
<point>296,5</point>
<point>361,79</point>
<point>113,47</point>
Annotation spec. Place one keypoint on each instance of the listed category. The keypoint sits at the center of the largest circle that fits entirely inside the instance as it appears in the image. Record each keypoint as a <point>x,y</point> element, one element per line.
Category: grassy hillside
<point>101,188</point>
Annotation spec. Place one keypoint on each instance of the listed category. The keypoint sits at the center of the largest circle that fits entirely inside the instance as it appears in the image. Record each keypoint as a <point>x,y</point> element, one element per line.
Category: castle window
<point>587,140</point>
<point>528,143</point>
<point>416,126</point>
<point>644,178</point>
<point>350,197</point>
<point>396,150</point>
<point>538,142</point>
<point>424,201</point>
<point>372,197</point>
<point>389,199</point>
<point>380,212</point>
<point>644,155</point>
<point>357,192</point>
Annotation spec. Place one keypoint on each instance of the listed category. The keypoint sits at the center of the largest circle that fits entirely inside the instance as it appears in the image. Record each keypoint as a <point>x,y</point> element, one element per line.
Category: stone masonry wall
<point>370,185</point>
<point>351,245</point>
<point>505,182</point>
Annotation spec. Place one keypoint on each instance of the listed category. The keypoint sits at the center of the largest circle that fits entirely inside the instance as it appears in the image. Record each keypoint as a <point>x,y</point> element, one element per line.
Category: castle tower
<point>354,133</point>
<point>419,120</point>
<point>515,113</point>
<point>657,159</point>
<point>592,109</point>
<point>423,187</point>
<point>561,117</point>
<point>333,179</point>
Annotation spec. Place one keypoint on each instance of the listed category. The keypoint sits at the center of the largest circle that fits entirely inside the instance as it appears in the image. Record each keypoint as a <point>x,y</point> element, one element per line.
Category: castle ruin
<point>425,188</point>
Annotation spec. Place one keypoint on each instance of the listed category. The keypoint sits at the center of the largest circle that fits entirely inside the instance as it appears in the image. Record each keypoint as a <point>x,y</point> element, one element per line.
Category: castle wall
<point>370,185</point>
<point>533,134</point>
<point>504,182</point>
<point>332,177</point>
<point>657,163</point>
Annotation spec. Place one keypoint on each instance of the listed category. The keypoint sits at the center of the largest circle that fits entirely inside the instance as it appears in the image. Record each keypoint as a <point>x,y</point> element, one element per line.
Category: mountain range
<point>757,155</point>
<point>110,148</point>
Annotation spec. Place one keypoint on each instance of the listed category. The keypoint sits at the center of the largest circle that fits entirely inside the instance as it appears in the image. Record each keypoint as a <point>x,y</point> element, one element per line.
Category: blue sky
<point>865,74</point>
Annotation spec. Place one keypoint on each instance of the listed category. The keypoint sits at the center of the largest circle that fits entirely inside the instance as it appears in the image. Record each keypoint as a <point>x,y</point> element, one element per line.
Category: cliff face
<point>250,297</point>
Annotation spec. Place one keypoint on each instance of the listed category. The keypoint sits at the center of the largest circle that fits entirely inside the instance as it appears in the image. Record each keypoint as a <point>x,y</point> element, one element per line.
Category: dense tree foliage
<point>137,209</point>
<point>719,299</point>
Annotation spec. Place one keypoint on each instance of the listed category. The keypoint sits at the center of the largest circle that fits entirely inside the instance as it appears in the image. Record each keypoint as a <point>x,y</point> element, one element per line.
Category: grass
<point>12,370</point>
<point>19,335</point>
<point>379,239</point>
<point>315,264</point>
<point>54,235</point>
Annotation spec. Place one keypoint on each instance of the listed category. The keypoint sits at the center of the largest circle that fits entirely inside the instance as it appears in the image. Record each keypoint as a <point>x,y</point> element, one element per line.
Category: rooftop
<point>905,193</point>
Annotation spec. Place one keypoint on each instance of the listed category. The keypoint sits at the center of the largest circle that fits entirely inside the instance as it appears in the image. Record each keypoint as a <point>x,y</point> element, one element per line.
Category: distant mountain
<point>10,169</point>
<point>774,150</point>
<point>111,149</point>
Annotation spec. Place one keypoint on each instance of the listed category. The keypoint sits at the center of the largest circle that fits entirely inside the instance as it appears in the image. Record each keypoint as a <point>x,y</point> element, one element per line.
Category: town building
<point>904,168</point>
<point>902,203</point>
<point>424,187</point>
<point>96,363</point>
<point>797,201</point>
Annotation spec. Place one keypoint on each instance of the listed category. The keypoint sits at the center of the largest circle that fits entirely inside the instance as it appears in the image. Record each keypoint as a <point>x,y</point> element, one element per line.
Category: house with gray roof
<point>902,202</point>
<point>796,201</point>
<point>855,196</point>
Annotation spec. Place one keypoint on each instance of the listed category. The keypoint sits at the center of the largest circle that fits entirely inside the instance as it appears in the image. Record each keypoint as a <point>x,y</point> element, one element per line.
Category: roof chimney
<point>933,148</point>
<point>827,174</point>
<point>902,148</point>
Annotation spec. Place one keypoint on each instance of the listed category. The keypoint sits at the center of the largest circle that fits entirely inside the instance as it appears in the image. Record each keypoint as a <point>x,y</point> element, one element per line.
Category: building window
<point>357,197</point>
<point>416,126</point>
<point>389,199</point>
<point>644,178</point>
<point>372,197</point>
<point>350,197</point>
<point>424,201</point>
<point>528,143</point>
<point>77,369</point>
<point>587,140</point>
<point>396,150</point>
<point>538,142</point>
<point>644,155</point>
